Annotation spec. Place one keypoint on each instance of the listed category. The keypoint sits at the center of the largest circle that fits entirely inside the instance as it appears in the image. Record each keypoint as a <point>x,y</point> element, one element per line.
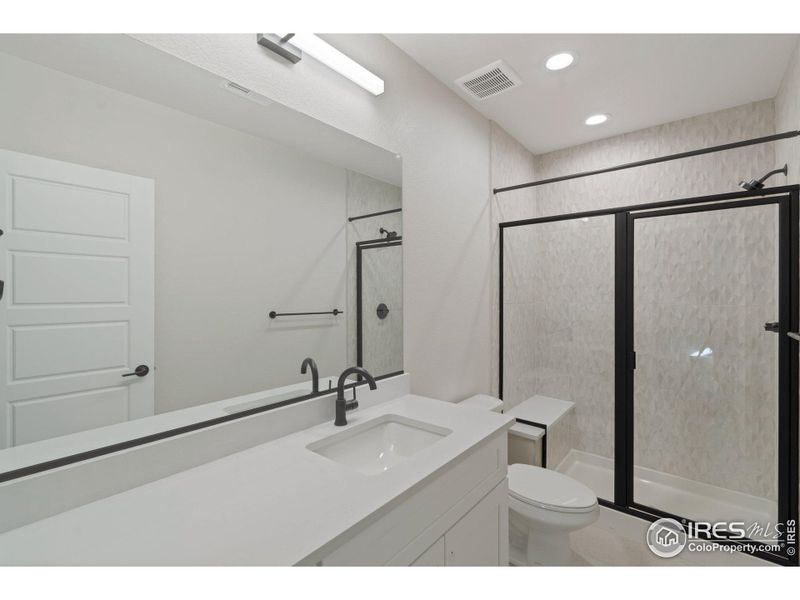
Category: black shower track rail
<point>652,161</point>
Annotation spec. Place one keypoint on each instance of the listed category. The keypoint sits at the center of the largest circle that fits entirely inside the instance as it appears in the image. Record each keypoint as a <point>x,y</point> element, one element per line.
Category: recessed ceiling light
<point>596,119</point>
<point>559,61</point>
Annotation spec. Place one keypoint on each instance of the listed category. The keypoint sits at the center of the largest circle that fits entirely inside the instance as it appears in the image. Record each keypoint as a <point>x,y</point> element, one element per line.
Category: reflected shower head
<point>389,234</point>
<point>757,184</point>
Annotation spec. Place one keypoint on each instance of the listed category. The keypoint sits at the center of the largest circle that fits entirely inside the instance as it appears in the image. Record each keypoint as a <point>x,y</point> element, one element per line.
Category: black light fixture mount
<point>280,46</point>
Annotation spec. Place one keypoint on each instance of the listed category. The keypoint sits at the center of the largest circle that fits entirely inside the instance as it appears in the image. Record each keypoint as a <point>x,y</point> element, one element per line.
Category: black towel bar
<point>335,311</point>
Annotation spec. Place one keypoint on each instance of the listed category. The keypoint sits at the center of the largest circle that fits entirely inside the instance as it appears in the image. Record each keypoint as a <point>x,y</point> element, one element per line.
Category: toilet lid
<point>548,489</point>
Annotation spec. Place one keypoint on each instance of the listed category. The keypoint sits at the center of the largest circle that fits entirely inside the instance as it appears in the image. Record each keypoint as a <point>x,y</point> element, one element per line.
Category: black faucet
<point>342,405</point>
<point>309,362</point>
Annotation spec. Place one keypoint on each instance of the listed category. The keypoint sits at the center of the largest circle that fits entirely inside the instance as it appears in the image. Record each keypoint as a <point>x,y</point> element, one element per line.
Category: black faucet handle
<point>342,405</point>
<point>310,362</point>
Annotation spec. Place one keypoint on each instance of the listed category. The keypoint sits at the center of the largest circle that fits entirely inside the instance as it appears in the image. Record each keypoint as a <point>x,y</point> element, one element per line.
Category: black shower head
<point>389,234</point>
<point>757,184</point>
<point>751,185</point>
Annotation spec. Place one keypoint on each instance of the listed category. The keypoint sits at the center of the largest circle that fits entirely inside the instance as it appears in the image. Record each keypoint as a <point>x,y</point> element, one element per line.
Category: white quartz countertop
<point>275,504</point>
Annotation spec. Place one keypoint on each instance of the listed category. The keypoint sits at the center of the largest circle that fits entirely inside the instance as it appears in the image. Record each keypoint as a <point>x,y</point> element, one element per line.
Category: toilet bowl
<point>544,506</point>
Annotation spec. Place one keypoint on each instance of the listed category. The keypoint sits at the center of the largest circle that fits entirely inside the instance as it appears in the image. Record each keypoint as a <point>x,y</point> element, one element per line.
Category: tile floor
<point>617,539</point>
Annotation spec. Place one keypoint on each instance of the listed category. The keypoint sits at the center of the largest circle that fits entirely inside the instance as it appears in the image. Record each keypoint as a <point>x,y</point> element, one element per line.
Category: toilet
<point>544,506</point>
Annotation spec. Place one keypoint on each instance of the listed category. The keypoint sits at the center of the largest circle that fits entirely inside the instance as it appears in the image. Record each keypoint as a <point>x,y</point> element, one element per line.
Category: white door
<point>76,314</point>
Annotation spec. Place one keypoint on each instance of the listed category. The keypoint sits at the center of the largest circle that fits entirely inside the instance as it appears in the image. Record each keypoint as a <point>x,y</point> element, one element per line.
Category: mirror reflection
<point>177,248</point>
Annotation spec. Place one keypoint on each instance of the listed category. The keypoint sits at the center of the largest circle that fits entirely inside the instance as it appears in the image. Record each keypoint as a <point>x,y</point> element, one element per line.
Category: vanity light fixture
<point>596,119</point>
<point>292,45</point>
<point>559,61</point>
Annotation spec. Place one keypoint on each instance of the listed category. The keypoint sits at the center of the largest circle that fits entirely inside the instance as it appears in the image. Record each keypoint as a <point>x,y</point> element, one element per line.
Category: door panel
<point>47,278</point>
<point>706,382</point>
<point>76,256</point>
<point>39,351</point>
<point>35,420</point>
<point>68,208</point>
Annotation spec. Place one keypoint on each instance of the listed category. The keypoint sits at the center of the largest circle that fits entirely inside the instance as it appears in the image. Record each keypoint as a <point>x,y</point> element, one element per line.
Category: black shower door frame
<point>786,197</point>
<point>360,247</point>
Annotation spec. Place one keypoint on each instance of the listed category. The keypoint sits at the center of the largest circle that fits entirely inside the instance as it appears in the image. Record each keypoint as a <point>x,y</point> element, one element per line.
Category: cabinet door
<point>433,556</point>
<point>480,538</point>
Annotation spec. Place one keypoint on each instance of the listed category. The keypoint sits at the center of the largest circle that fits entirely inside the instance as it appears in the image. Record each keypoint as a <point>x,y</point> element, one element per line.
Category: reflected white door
<point>76,258</point>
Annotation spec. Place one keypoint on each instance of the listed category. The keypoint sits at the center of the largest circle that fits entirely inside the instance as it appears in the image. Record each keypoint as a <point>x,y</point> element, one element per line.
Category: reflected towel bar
<point>335,311</point>
<point>793,335</point>
<point>375,214</point>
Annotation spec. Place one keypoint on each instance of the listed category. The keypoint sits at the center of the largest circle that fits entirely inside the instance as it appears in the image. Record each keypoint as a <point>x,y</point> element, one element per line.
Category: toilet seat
<point>549,490</point>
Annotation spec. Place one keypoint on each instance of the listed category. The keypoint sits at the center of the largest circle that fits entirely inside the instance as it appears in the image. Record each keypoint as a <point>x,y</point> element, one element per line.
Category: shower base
<point>670,493</point>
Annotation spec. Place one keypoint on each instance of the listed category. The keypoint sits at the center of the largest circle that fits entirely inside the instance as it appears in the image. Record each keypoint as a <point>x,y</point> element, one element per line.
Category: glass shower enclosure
<point>666,325</point>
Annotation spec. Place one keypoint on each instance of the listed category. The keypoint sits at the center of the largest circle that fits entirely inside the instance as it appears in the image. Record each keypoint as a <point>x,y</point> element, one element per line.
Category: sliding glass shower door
<point>706,379</point>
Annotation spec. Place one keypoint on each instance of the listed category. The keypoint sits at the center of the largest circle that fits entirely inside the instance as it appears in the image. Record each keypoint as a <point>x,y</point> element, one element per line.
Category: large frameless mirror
<point>175,247</point>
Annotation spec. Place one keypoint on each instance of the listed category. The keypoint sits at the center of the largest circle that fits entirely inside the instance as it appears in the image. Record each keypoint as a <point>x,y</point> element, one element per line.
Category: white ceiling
<point>128,65</point>
<point>640,80</point>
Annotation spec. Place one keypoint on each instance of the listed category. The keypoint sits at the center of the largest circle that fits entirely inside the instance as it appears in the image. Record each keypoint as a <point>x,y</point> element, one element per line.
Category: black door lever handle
<point>139,371</point>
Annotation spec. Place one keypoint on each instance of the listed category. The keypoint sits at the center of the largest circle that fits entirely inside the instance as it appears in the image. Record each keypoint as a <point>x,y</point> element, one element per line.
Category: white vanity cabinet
<point>458,516</point>
<point>479,538</point>
<point>286,503</point>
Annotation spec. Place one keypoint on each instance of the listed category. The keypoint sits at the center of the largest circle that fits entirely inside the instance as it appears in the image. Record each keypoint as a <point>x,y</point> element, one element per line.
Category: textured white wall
<point>234,237</point>
<point>445,149</point>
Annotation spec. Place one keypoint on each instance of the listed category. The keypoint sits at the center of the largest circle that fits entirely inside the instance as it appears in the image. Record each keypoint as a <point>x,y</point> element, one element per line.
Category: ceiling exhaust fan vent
<point>490,80</point>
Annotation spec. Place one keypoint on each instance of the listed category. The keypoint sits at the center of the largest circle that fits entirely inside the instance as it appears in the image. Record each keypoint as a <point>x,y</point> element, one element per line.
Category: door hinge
<point>774,327</point>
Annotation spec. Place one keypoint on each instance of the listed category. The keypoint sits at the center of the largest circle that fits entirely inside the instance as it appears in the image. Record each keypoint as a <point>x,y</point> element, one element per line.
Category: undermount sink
<point>267,400</point>
<point>378,445</point>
